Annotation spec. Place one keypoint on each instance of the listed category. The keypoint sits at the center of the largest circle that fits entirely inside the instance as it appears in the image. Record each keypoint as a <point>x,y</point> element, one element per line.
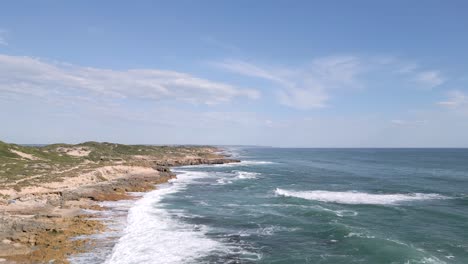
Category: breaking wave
<point>358,197</point>
<point>234,164</point>
<point>246,175</point>
<point>153,235</point>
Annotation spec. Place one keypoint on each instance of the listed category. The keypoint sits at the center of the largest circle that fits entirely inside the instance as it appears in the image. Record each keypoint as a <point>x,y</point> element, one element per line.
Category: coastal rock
<point>14,249</point>
<point>37,224</point>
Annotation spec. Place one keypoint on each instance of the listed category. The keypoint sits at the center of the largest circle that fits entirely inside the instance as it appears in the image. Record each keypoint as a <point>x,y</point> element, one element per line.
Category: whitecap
<point>360,235</point>
<point>246,175</point>
<point>153,236</point>
<point>223,181</point>
<point>270,230</point>
<point>115,220</point>
<point>233,164</point>
<point>343,213</point>
<point>358,197</point>
<point>236,175</point>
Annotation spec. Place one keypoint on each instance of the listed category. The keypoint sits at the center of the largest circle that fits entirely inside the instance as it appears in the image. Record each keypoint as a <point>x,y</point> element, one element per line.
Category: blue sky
<point>279,73</point>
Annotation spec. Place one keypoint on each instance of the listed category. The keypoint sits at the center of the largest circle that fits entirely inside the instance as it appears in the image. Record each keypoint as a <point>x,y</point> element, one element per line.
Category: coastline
<point>54,222</point>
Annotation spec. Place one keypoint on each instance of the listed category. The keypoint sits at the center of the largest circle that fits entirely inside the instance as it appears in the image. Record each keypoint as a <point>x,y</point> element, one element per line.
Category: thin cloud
<point>252,70</point>
<point>3,40</point>
<point>28,76</point>
<point>307,87</point>
<point>400,122</point>
<point>407,68</point>
<point>313,85</point>
<point>456,99</point>
<point>425,78</point>
<point>312,97</point>
<point>430,79</point>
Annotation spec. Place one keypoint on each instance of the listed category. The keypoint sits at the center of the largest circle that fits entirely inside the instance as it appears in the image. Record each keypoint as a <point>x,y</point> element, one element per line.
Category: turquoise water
<point>307,206</point>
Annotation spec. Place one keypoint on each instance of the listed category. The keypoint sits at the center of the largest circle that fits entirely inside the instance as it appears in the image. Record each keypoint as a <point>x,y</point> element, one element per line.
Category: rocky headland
<point>46,192</point>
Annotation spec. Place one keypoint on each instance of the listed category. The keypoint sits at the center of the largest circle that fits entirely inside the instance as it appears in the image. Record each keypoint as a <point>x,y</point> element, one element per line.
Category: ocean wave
<point>246,175</point>
<point>153,236</point>
<point>359,235</point>
<point>256,162</point>
<point>234,164</point>
<point>343,213</point>
<point>358,197</point>
<point>223,181</point>
<point>236,175</point>
<point>418,256</point>
<point>115,221</point>
<point>272,229</point>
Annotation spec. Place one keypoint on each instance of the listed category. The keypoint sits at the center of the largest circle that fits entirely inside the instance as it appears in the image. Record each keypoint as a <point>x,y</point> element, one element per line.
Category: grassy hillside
<point>27,165</point>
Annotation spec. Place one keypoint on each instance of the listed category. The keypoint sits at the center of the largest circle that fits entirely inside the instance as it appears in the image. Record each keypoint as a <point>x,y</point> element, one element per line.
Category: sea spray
<point>357,197</point>
<point>153,235</point>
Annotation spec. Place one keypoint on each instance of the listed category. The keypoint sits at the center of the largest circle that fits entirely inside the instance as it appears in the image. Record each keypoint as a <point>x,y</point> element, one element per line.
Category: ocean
<point>288,206</point>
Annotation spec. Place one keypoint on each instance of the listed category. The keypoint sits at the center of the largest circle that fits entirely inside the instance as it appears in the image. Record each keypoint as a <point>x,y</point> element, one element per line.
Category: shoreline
<point>41,225</point>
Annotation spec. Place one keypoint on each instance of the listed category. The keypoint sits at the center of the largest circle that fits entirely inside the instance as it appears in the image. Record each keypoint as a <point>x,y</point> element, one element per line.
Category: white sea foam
<point>272,229</point>
<point>154,235</point>
<point>232,152</point>
<point>234,164</point>
<point>223,181</point>
<point>342,213</point>
<point>229,178</point>
<point>255,162</point>
<point>115,221</point>
<point>246,175</point>
<point>360,235</point>
<point>358,197</point>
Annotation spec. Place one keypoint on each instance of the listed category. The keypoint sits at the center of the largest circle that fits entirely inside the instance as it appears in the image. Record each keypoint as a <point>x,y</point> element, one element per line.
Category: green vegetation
<point>14,166</point>
<point>28,165</point>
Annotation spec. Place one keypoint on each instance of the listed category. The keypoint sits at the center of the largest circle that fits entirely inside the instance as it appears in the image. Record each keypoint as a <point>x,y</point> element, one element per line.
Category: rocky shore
<point>42,223</point>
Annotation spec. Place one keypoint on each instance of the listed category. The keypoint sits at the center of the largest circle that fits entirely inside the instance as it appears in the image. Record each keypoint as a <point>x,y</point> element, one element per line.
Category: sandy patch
<point>24,155</point>
<point>106,173</point>
<point>75,151</point>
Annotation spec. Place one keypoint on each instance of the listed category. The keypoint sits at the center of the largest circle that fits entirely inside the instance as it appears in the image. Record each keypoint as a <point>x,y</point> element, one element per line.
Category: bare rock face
<point>116,189</point>
<point>8,249</point>
<point>19,230</point>
<point>161,168</point>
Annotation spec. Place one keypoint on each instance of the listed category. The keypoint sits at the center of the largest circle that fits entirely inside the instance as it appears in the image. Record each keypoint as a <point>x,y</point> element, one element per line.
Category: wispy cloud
<point>313,85</point>
<point>430,79</point>
<point>249,69</point>
<point>400,122</point>
<point>3,37</point>
<point>307,87</point>
<point>407,67</point>
<point>28,76</point>
<point>417,73</point>
<point>456,99</point>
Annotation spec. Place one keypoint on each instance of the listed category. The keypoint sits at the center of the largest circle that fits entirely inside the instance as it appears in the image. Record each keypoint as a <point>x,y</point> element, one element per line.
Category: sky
<point>269,73</point>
